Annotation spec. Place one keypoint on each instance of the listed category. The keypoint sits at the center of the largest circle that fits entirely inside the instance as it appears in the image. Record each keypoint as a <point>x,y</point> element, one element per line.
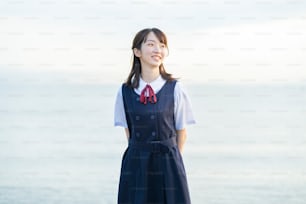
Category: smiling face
<point>152,52</point>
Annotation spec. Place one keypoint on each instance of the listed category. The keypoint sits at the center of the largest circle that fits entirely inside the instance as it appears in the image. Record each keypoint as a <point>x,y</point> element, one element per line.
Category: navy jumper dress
<point>152,169</point>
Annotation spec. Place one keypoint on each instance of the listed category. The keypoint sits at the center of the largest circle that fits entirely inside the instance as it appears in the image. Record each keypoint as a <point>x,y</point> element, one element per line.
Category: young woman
<point>154,109</point>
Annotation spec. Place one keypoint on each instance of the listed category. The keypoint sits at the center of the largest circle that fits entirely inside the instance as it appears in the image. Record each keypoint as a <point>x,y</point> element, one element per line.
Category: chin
<point>155,65</point>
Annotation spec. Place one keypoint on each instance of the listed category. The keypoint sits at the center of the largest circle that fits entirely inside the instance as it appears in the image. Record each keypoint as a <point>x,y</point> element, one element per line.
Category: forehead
<point>151,37</point>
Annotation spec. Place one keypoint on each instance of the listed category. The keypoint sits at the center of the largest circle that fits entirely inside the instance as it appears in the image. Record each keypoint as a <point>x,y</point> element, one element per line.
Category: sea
<point>58,143</point>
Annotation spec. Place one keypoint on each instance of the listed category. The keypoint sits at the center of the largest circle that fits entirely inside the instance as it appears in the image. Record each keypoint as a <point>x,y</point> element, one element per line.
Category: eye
<point>162,45</point>
<point>150,44</point>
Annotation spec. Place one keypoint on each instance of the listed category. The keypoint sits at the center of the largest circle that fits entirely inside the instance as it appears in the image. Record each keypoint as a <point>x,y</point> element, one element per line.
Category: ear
<point>137,52</point>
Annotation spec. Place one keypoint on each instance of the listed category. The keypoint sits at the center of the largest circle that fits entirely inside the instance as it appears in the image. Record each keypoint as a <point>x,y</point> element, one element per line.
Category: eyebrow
<point>154,41</point>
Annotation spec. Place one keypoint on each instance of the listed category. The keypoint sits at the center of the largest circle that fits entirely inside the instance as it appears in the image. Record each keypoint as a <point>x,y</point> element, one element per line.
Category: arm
<point>182,114</point>
<point>119,113</point>
<point>127,133</point>
<point>181,139</point>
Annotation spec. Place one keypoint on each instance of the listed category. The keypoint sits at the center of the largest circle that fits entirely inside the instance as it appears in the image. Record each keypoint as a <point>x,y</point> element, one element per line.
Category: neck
<point>149,74</point>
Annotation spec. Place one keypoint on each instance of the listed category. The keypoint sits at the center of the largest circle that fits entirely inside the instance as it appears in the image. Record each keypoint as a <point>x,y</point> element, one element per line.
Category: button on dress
<point>152,169</point>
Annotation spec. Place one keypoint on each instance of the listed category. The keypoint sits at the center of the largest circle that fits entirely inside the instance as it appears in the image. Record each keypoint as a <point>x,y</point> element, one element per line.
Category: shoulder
<point>123,87</point>
<point>171,84</point>
<point>179,88</point>
<point>181,92</point>
<point>119,92</point>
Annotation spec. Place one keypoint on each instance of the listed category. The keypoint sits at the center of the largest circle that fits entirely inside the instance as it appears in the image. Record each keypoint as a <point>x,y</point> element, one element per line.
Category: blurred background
<point>242,63</point>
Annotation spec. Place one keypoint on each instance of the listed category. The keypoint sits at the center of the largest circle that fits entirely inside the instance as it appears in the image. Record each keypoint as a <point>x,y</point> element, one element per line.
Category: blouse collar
<point>156,85</point>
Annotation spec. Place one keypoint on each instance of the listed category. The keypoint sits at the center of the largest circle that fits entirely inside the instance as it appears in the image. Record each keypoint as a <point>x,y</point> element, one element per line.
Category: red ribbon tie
<point>148,92</point>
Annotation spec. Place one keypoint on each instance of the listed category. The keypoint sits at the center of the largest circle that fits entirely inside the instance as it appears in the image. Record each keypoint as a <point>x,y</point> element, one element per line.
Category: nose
<point>157,49</point>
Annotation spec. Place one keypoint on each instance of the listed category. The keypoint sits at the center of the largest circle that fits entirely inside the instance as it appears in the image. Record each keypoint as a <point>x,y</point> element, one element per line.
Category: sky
<point>213,41</point>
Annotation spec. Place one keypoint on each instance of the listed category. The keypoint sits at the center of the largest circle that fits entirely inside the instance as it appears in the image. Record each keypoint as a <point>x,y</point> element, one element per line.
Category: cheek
<point>147,51</point>
<point>144,50</point>
<point>165,52</point>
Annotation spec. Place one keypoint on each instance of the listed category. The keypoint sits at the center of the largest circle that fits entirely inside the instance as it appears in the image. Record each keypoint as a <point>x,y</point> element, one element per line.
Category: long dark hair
<point>141,36</point>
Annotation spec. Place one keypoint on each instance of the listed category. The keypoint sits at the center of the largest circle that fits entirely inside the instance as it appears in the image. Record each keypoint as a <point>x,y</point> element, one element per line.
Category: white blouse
<point>182,106</point>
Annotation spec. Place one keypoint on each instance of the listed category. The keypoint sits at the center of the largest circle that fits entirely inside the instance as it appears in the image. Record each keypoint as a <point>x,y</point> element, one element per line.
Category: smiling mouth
<point>156,57</point>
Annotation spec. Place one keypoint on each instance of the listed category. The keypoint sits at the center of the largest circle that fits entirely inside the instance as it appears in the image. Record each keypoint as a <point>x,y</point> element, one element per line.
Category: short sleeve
<point>183,114</point>
<point>119,112</point>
